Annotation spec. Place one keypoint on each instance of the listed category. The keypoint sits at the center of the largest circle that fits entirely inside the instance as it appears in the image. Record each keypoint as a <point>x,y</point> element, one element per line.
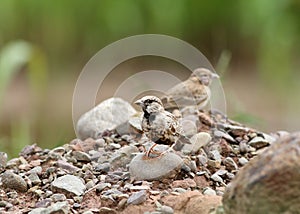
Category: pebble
<point>198,141</point>
<point>43,203</point>
<point>67,166</point>
<point>230,176</point>
<point>215,177</point>
<point>259,142</point>
<point>214,163</point>
<point>137,197</point>
<point>13,181</point>
<point>202,160</point>
<point>58,197</point>
<point>115,145</point>
<point>166,210</point>
<point>81,156</point>
<point>215,155</point>
<point>243,161</point>
<point>104,167</point>
<point>59,207</point>
<point>34,178</point>
<point>37,170</point>
<point>102,186</point>
<point>3,159</point>
<point>224,135</point>
<point>179,190</point>
<point>209,191</point>
<point>143,187</point>
<point>128,150</point>
<point>70,184</point>
<point>230,164</point>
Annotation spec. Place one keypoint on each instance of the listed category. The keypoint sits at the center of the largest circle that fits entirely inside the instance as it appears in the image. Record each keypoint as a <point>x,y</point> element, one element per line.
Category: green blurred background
<point>45,44</point>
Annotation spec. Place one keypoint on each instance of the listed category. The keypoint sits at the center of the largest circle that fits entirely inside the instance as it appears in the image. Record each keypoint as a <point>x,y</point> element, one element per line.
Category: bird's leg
<point>168,150</point>
<point>151,148</point>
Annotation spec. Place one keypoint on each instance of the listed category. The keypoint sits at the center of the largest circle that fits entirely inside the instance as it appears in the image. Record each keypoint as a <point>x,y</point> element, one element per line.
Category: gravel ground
<point>93,176</point>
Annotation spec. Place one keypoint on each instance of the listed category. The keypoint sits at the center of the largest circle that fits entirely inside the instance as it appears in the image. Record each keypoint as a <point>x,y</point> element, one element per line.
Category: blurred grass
<point>53,39</point>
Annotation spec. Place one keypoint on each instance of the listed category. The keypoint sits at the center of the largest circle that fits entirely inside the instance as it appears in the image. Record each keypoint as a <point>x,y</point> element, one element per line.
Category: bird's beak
<point>215,76</point>
<point>138,102</point>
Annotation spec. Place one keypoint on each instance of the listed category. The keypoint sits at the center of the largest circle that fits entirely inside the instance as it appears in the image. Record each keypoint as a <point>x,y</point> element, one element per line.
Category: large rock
<point>143,168</point>
<point>107,115</point>
<point>269,183</point>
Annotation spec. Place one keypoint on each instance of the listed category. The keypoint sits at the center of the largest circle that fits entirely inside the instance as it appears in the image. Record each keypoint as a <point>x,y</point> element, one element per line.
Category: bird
<point>194,91</point>
<point>158,125</point>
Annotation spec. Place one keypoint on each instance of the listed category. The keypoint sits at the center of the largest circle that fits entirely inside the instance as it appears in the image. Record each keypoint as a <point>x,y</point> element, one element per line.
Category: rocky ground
<point>110,174</point>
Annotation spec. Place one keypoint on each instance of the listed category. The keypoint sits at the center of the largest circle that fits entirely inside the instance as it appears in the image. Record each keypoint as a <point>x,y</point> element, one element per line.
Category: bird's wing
<point>187,93</point>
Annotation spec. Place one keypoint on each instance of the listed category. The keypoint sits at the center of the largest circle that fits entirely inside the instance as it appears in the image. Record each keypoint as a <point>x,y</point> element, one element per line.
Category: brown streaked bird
<point>158,125</point>
<point>194,91</point>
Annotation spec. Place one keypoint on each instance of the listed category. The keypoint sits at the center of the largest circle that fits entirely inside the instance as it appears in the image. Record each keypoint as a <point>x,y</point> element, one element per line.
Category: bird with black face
<point>194,91</point>
<point>158,125</point>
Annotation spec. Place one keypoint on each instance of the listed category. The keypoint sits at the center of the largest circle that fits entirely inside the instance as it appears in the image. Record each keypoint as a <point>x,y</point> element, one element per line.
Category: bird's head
<point>150,104</point>
<point>204,76</point>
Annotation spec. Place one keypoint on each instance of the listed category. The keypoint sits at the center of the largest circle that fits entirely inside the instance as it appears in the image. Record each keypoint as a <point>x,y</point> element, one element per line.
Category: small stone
<point>143,187</point>
<point>202,160</point>
<point>122,203</point>
<point>215,155</point>
<point>3,159</point>
<point>29,150</point>
<point>220,134</point>
<point>59,207</point>
<point>13,181</point>
<point>166,210</point>
<point>230,164</point>
<point>37,170</point>
<point>60,150</point>
<point>90,184</point>
<point>230,176</point>
<point>106,210</point>
<point>209,191</point>
<point>259,142</point>
<point>179,190</point>
<point>67,166</point>
<point>3,203</point>
<point>76,205</point>
<point>81,156</point>
<point>58,197</point>
<point>104,167</point>
<point>137,197</point>
<point>215,177</point>
<point>243,161</point>
<point>43,203</point>
<point>34,178</point>
<point>70,184</point>
<point>221,172</point>
<point>198,141</point>
<point>214,163</point>
<point>115,145</point>
<point>102,186</point>
<point>13,162</point>
<point>128,150</point>
<point>243,147</point>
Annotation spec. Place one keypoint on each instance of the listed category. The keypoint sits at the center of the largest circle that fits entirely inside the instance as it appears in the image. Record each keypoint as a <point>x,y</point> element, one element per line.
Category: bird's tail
<point>180,142</point>
<point>184,140</point>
